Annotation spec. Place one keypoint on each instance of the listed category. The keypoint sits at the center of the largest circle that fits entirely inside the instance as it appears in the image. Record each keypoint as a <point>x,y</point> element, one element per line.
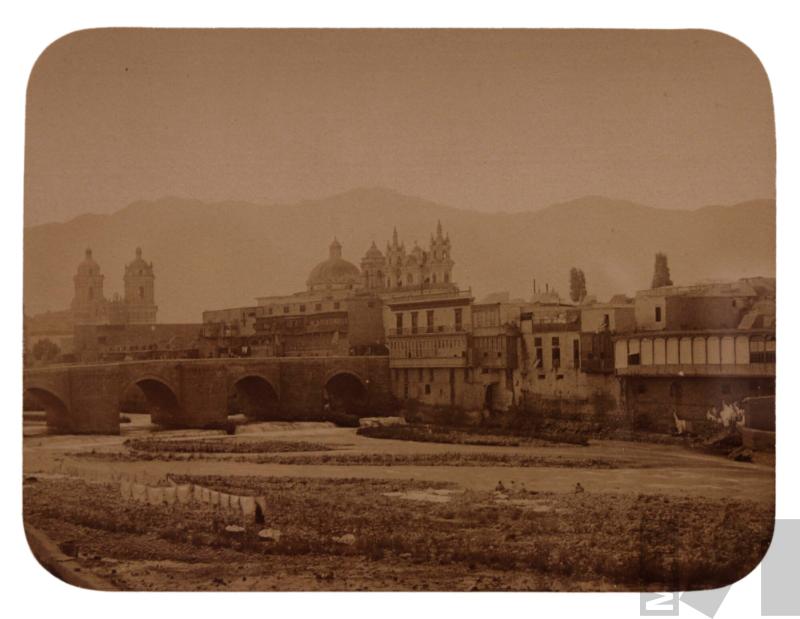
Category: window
<point>399,322</point>
<point>576,354</point>
<point>430,374</point>
<point>302,308</point>
<point>141,292</point>
<point>762,350</point>
<point>556,352</point>
<point>421,377</point>
<point>336,305</point>
<point>429,321</point>
<point>634,352</point>
<point>318,307</point>
<point>434,278</point>
<point>427,389</point>
<point>410,278</point>
<point>458,313</point>
<point>414,316</point>
<point>658,314</point>
<point>91,293</point>
<point>285,309</point>
<point>537,342</point>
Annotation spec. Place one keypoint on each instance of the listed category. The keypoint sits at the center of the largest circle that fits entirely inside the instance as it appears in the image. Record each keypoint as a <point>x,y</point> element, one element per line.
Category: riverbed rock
<point>348,539</point>
<point>270,535</point>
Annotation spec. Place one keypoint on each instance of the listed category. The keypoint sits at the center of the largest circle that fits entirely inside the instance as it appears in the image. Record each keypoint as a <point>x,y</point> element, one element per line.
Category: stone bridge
<point>194,393</point>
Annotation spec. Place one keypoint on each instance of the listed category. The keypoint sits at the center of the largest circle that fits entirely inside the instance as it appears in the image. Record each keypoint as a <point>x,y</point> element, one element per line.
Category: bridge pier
<point>79,400</point>
<point>203,395</point>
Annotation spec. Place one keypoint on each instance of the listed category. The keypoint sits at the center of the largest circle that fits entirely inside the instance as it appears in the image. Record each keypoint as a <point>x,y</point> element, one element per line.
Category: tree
<point>661,272</point>
<point>577,285</point>
<point>45,350</point>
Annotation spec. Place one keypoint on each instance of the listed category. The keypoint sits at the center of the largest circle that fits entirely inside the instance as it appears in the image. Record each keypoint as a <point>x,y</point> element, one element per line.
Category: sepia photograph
<point>399,310</point>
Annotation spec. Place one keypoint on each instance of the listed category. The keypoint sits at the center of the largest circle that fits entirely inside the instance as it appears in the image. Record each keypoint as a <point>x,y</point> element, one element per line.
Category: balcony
<point>439,330</point>
<point>694,353</point>
<point>428,362</point>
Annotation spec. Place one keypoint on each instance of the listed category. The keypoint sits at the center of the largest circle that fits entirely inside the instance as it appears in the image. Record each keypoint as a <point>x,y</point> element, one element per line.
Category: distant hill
<point>214,255</point>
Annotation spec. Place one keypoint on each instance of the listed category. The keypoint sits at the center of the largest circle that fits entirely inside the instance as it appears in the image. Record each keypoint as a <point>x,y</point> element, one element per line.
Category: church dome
<point>335,272</point>
<point>373,253</point>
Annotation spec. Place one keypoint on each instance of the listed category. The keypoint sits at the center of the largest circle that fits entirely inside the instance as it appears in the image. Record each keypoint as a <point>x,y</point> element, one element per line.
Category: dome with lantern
<point>335,272</point>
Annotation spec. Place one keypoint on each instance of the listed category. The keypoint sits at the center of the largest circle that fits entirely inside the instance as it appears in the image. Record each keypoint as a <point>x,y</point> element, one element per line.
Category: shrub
<point>343,420</point>
<point>411,411</point>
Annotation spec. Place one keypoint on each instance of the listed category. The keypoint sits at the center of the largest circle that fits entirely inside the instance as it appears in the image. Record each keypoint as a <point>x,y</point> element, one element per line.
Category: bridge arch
<point>55,407</point>
<point>256,396</point>
<point>346,391</point>
<point>162,399</point>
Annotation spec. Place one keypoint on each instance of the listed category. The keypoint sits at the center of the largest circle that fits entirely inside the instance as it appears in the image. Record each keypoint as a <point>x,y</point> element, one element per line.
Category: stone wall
<point>650,402</point>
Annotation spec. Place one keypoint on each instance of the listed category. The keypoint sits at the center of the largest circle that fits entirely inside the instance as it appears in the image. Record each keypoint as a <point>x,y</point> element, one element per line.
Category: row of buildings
<point>677,351</point>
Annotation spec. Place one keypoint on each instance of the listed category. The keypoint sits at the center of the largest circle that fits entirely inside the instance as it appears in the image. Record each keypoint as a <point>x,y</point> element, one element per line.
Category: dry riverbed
<point>504,518</point>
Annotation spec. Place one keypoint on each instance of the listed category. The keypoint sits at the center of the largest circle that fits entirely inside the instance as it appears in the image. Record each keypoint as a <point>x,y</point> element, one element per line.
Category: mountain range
<point>215,255</point>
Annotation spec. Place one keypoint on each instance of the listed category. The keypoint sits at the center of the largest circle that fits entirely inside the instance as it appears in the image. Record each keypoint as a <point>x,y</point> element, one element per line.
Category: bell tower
<point>88,304</point>
<point>373,268</point>
<point>441,261</point>
<point>140,291</point>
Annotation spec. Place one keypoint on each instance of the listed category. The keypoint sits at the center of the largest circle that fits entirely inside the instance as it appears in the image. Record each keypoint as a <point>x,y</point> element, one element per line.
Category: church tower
<point>395,260</point>
<point>373,268</point>
<point>88,304</point>
<point>441,263</point>
<point>139,297</point>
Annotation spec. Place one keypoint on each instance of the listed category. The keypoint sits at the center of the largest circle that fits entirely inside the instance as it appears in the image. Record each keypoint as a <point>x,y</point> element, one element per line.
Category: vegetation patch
<point>221,446</point>
<point>617,541</point>
<point>427,433</point>
<point>450,459</point>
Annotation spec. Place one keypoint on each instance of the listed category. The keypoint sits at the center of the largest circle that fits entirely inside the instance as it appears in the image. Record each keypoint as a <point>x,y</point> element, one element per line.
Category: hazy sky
<point>497,120</point>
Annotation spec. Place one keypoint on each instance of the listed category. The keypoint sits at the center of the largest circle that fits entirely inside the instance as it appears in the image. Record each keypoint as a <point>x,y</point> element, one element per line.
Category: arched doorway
<point>256,397</point>
<point>56,411</point>
<point>490,396</point>
<point>162,403</point>
<point>345,392</point>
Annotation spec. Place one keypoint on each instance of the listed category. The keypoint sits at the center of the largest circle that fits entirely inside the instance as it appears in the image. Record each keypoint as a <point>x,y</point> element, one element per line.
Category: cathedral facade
<point>399,270</point>
<point>136,306</point>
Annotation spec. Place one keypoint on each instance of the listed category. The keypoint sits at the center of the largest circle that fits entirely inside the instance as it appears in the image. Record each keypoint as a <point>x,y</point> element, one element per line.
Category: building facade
<point>137,306</point>
<point>335,315</point>
<point>697,351</point>
<point>90,306</point>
